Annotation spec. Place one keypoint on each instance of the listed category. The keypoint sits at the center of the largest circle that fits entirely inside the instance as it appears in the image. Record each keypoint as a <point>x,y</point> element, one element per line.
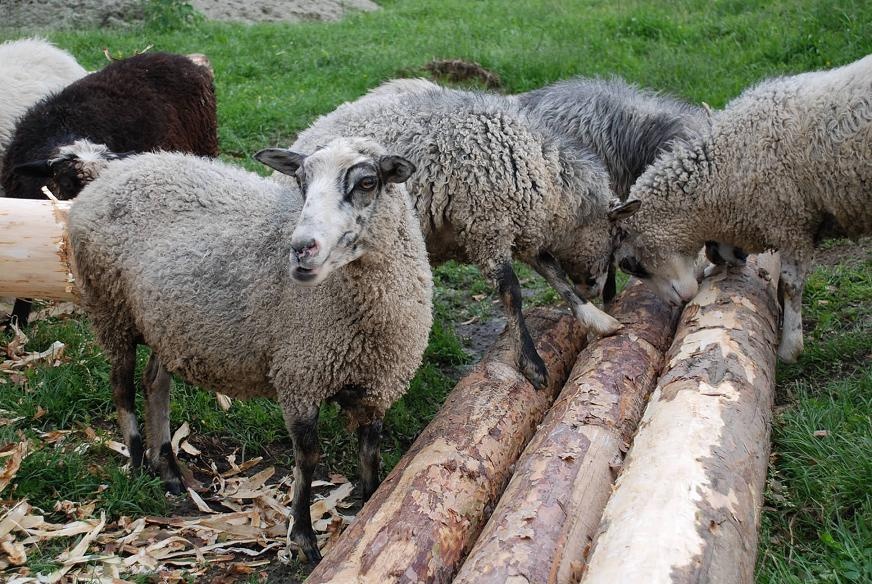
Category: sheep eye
<point>367,183</point>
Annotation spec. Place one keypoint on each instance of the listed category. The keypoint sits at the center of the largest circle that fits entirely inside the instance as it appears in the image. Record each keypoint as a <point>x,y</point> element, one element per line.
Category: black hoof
<point>533,368</point>
<point>305,539</point>
<point>168,470</point>
<point>137,453</point>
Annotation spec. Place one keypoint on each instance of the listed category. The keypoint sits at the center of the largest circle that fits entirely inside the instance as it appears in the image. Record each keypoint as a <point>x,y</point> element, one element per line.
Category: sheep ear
<point>624,210</point>
<point>280,159</point>
<point>395,169</point>
<point>34,168</point>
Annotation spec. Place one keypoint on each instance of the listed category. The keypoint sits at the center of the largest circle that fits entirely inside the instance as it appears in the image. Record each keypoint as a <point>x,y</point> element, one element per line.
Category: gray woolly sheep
<point>30,69</point>
<point>491,185</point>
<point>787,164</point>
<point>240,287</point>
<point>626,126</point>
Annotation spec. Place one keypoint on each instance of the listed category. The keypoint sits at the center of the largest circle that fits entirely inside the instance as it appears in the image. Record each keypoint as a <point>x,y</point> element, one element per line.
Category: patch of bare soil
<point>458,71</point>
<point>844,251</point>
<point>279,10</point>
<point>42,14</point>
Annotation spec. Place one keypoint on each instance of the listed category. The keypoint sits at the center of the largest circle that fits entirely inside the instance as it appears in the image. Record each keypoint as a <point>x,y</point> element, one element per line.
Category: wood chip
<point>13,463</point>
<point>224,401</point>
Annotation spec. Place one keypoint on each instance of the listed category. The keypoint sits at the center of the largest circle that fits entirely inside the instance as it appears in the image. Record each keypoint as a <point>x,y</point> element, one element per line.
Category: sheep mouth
<point>302,274</point>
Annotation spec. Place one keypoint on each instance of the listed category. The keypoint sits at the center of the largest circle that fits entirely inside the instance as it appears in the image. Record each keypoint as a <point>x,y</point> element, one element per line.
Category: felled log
<point>34,261</point>
<point>547,516</point>
<point>687,505</point>
<point>425,516</point>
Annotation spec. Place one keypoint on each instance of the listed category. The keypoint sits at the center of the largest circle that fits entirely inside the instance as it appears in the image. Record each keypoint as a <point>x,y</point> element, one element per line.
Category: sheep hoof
<point>789,350</point>
<point>533,368</point>
<point>137,452</point>
<point>597,321</point>
<point>168,469</point>
<point>305,539</point>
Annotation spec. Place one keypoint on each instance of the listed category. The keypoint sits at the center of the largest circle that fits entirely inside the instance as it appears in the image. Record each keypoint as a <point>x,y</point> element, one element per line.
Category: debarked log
<point>687,505</point>
<point>546,518</point>
<point>425,516</point>
<point>34,258</point>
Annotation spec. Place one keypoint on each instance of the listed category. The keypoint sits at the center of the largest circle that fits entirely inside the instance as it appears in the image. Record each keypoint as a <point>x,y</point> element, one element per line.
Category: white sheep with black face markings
<point>787,164</point>
<point>238,285</point>
<point>493,185</point>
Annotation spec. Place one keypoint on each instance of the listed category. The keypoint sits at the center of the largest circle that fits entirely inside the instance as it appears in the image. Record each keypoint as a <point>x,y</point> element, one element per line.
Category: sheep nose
<point>305,248</point>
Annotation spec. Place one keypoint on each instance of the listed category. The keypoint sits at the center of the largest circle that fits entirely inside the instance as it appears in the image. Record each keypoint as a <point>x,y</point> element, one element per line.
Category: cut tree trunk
<point>687,505</point>
<point>422,520</point>
<point>546,518</point>
<point>34,258</point>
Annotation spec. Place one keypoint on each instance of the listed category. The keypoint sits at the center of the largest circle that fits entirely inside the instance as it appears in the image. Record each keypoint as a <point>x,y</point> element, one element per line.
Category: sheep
<point>492,185</point>
<point>626,126</point>
<point>146,102</point>
<point>786,165</point>
<point>240,287</point>
<point>29,70</point>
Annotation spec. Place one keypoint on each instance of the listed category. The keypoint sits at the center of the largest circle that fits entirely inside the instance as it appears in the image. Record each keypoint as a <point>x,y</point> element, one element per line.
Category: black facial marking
<point>713,253</point>
<point>634,268</point>
<point>350,181</point>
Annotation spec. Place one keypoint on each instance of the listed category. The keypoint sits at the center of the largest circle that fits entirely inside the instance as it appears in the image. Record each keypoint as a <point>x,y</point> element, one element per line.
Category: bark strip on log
<point>422,520</point>
<point>687,505</point>
<point>34,258</point>
<point>547,516</point>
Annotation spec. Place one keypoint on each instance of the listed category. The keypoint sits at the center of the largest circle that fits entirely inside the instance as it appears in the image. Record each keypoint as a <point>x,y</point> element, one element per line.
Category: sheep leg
<point>610,289</point>
<point>368,420</point>
<point>793,274</point>
<point>529,362</point>
<point>21,312</point>
<point>157,382</point>
<point>594,319</point>
<point>723,253</point>
<point>124,395</point>
<point>369,442</point>
<point>304,433</point>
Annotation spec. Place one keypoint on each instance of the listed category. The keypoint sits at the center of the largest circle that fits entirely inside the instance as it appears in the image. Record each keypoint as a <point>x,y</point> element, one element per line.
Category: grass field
<point>272,80</point>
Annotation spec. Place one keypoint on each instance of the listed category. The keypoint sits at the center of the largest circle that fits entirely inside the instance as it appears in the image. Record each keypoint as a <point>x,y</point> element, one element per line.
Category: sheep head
<point>342,184</point>
<point>70,168</point>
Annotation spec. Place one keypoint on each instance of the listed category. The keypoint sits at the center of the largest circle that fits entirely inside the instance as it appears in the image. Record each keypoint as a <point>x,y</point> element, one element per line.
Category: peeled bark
<point>687,506</point>
<point>34,258</point>
<point>546,518</point>
<point>422,520</point>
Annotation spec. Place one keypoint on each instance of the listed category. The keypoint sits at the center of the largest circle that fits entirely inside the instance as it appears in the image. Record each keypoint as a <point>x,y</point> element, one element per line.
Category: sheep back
<point>626,126</point>
<point>152,101</point>
<point>487,179</point>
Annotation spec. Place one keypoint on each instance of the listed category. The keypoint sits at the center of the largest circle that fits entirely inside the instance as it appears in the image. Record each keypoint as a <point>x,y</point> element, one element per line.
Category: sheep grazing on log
<point>153,101</point>
<point>30,69</point>
<point>240,287</point>
<point>786,165</point>
<point>626,126</point>
<point>491,185</point>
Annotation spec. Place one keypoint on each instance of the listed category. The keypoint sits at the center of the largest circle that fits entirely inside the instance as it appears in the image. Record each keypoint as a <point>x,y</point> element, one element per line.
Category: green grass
<point>274,79</point>
<point>818,521</point>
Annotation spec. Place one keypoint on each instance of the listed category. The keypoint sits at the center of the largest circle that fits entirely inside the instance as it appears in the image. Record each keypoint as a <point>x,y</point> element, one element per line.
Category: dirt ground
<point>42,14</point>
